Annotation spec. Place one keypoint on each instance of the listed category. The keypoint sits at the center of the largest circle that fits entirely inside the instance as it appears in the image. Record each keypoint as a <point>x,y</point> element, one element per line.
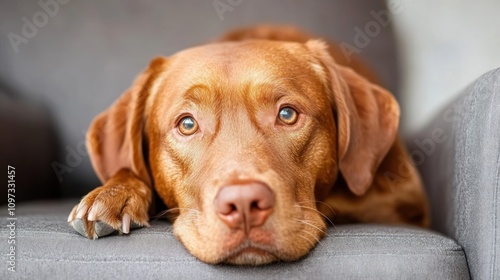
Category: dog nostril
<point>227,208</point>
<point>254,205</point>
<point>232,208</point>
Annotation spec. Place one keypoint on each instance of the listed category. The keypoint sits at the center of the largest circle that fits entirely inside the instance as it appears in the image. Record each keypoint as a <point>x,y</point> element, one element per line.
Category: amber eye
<point>187,126</point>
<point>288,115</point>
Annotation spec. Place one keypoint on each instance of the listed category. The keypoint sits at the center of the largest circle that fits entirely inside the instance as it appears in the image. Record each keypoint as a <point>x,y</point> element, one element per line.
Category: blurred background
<point>64,61</point>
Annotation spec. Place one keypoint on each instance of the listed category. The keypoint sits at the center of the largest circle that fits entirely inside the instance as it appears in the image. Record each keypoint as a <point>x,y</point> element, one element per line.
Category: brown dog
<point>253,140</point>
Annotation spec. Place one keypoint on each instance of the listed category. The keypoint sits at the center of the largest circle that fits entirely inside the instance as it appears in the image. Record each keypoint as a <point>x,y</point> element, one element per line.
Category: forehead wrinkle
<point>264,94</point>
<point>200,94</point>
<point>205,97</point>
<point>198,97</point>
<point>269,94</point>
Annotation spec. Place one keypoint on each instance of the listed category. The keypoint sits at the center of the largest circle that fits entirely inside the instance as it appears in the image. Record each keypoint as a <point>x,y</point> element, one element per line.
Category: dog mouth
<point>250,253</point>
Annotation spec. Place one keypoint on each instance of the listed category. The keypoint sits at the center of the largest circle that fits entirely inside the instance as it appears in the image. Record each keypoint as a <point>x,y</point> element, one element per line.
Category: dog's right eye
<point>187,126</point>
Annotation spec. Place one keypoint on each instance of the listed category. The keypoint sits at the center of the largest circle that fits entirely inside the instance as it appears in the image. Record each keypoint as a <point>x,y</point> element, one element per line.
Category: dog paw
<point>108,209</point>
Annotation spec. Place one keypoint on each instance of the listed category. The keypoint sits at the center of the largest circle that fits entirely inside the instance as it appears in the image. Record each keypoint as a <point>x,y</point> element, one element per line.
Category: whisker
<point>163,213</point>
<point>306,207</point>
<point>307,223</point>
<point>317,239</point>
<point>328,205</point>
<point>324,203</point>
<point>308,240</point>
<point>191,217</point>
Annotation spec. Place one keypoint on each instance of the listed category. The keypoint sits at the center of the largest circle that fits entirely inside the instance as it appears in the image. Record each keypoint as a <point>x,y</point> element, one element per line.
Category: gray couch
<point>87,54</point>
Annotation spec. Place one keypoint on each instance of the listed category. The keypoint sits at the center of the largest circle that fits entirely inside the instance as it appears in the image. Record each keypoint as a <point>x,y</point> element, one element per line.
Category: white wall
<point>444,46</point>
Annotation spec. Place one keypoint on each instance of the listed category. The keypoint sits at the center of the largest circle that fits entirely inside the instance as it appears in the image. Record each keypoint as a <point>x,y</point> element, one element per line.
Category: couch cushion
<point>48,248</point>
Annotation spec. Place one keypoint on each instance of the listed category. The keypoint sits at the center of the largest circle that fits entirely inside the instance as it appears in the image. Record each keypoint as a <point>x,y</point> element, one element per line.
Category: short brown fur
<point>337,161</point>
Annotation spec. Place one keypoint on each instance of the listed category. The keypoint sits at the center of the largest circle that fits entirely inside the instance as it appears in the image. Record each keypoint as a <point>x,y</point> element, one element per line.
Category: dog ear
<point>115,137</point>
<point>367,119</point>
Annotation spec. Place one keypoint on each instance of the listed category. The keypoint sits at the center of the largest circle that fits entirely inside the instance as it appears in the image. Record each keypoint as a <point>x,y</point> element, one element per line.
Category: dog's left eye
<point>187,126</point>
<point>288,115</point>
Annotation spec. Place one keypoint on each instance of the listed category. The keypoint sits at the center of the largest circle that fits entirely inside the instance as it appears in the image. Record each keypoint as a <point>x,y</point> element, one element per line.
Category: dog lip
<point>250,250</point>
<point>249,247</point>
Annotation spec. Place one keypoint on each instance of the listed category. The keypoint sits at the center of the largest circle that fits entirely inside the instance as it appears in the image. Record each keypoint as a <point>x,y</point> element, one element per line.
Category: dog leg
<point>120,204</point>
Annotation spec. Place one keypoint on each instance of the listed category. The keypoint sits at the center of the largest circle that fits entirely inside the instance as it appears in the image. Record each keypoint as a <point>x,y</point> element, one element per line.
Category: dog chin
<point>251,256</point>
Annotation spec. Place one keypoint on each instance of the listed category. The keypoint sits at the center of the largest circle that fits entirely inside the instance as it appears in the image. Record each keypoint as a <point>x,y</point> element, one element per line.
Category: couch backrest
<point>77,57</point>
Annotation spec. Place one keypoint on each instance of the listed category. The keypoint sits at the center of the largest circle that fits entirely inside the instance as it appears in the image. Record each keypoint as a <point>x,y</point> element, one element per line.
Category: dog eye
<point>187,126</point>
<point>288,115</point>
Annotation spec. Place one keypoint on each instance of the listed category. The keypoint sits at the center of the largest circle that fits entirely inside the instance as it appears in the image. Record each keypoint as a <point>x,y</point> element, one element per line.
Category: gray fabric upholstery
<point>48,248</point>
<point>89,52</point>
<point>101,229</point>
<point>462,173</point>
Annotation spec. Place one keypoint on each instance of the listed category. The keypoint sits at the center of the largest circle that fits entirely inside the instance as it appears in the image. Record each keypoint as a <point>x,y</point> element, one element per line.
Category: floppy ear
<point>115,138</point>
<point>367,119</point>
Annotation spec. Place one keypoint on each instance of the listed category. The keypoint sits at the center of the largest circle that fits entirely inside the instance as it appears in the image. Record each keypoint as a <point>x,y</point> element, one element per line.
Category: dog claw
<point>92,216</point>
<point>81,212</point>
<point>126,223</point>
<point>71,216</point>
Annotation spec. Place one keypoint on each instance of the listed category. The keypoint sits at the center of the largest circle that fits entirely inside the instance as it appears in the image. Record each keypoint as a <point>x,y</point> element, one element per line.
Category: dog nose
<point>244,206</point>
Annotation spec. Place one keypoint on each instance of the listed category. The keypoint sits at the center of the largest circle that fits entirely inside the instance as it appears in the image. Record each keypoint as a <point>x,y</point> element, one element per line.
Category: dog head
<point>243,139</point>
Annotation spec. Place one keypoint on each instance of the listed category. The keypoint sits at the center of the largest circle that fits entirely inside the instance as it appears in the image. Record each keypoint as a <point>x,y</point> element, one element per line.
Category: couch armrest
<point>458,155</point>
